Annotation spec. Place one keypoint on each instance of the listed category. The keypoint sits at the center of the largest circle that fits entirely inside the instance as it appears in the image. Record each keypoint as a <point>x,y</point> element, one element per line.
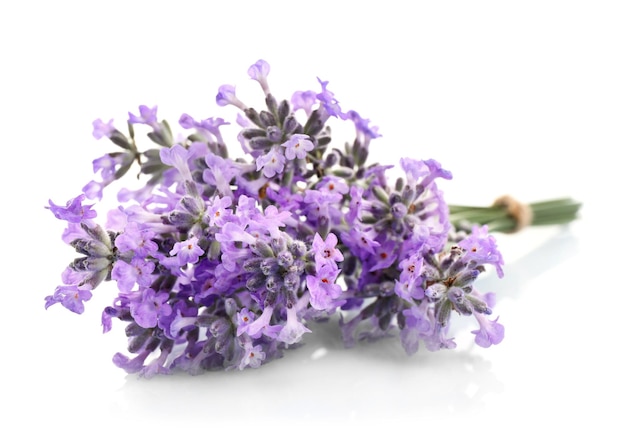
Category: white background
<point>526,98</point>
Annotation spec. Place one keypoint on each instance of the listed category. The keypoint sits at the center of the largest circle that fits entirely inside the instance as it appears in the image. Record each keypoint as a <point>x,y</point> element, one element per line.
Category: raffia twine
<point>521,213</point>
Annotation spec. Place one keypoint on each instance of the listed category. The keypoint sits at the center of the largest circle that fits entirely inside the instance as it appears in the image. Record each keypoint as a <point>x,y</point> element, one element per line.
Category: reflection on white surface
<point>376,381</point>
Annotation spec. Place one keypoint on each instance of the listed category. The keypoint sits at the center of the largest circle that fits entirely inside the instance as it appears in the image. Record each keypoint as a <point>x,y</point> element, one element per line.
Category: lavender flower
<point>147,309</point>
<point>324,291</point>
<point>297,146</point>
<point>272,163</point>
<point>304,100</point>
<point>329,103</point>
<point>225,262</point>
<point>73,211</point>
<point>259,72</point>
<point>101,129</point>
<point>71,297</point>
<point>326,251</point>
<point>187,251</point>
<point>226,96</point>
<point>147,116</point>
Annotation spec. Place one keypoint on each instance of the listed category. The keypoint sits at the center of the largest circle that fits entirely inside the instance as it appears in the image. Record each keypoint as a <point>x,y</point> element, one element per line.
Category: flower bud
<point>205,320</point>
<point>384,321</point>
<point>479,305</point>
<point>419,190</point>
<point>394,197</point>
<point>273,283</point>
<point>120,140</point>
<point>272,105</point>
<point>137,342</point>
<point>399,184</point>
<point>331,160</point>
<point>214,250</point>
<point>397,226</point>
<point>267,119</point>
<point>398,210</point>
<point>230,306</point>
<point>97,277</point>
<point>223,344</point>
<point>435,291</point>
<point>249,133</point>
<point>283,111</point>
<point>291,281</point>
<point>198,175</point>
<point>408,194</point>
<point>93,264</point>
<point>461,304</point>
<point>274,134</point>
<point>466,278</point>
<point>297,248</point>
<point>263,249</point>
<point>298,266</point>
<point>361,155</point>
<point>456,267</point>
<point>260,143</point>
<point>387,288</point>
<point>269,266</point>
<point>304,229</point>
<point>133,329</point>
<point>290,125</point>
<point>371,290</point>
<point>310,268</point>
<point>252,264</point>
<point>91,248</point>
<point>347,162</point>
<point>285,259</point>
<point>97,233</point>
<point>349,265</point>
<point>443,314</point>
<point>379,210</point>
<point>314,124</point>
<point>193,205</point>
<point>181,219</point>
<point>343,172</point>
<point>322,140</point>
<point>219,327</point>
<point>278,244</point>
<point>381,194</point>
<point>253,116</point>
<point>255,282</point>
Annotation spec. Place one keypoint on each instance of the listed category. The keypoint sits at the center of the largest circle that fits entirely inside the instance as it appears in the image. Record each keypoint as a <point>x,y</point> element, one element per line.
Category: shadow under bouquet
<point>222,261</point>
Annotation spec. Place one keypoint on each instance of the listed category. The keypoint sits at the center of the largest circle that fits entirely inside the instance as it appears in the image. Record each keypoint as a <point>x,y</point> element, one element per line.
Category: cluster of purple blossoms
<point>223,263</point>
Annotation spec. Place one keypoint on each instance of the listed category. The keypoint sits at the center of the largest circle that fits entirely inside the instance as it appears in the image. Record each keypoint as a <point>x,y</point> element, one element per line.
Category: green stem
<point>498,219</point>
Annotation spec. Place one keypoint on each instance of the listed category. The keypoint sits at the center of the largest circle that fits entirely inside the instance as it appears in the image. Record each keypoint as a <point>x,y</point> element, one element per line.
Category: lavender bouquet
<point>221,262</point>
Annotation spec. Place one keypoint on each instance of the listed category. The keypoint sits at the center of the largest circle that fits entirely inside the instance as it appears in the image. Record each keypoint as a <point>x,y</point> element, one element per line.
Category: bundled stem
<point>501,218</point>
